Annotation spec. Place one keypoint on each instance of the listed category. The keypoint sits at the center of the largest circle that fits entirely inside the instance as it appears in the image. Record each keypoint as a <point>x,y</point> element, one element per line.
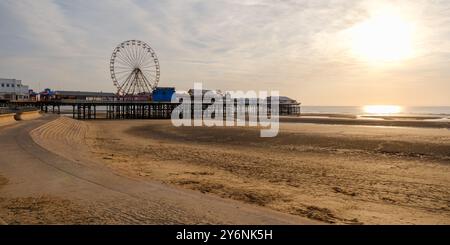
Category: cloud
<point>291,46</point>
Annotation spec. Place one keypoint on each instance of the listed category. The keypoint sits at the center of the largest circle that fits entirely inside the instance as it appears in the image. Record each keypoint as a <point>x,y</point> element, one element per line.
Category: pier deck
<point>135,109</point>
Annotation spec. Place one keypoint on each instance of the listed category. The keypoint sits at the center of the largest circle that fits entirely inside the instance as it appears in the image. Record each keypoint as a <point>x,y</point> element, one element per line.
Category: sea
<point>360,110</point>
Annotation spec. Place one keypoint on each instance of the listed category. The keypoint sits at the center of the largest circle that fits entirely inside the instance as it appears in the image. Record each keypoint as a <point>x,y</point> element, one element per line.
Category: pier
<point>88,110</point>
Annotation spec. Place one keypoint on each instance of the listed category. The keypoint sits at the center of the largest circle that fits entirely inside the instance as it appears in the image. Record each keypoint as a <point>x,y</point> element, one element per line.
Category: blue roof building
<point>163,94</point>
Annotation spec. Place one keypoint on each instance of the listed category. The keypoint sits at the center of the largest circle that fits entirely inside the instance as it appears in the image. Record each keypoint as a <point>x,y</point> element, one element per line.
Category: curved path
<point>37,183</point>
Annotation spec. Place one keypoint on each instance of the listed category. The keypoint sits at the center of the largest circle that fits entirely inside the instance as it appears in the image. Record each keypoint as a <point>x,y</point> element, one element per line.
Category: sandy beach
<point>38,186</point>
<point>335,174</point>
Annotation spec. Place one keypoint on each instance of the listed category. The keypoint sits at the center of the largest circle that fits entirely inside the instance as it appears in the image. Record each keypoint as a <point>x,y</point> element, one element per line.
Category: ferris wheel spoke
<point>136,54</point>
<point>133,87</point>
<point>124,60</point>
<point>153,78</point>
<point>129,55</point>
<point>150,74</point>
<point>123,76</point>
<point>124,70</point>
<point>126,57</point>
<point>147,65</point>
<point>141,55</point>
<point>126,89</point>
<point>150,65</point>
<point>148,84</point>
<point>150,79</point>
<point>153,69</point>
<point>127,80</point>
<point>120,66</point>
<point>150,70</point>
<point>148,59</point>
<point>144,58</point>
<point>133,84</point>
<point>153,75</point>
<point>145,86</point>
<point>149,62</point>
<point>121,55</point>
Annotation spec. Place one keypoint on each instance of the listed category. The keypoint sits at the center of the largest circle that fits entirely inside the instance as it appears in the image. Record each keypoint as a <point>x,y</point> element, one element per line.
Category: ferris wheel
<point>134,68</point>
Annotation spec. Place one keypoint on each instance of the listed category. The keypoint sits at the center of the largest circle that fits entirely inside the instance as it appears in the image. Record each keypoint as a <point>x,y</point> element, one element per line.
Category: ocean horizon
<point>360,110</point>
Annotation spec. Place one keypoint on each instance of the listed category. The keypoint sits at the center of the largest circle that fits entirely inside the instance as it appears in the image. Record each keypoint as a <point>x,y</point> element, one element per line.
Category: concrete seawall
<point>27,115</point>
<point>6,119</point>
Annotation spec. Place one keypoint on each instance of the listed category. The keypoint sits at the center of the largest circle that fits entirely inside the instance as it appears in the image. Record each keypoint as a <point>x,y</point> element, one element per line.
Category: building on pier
<point>13,89</point>
<point>163,94</point>
<point>60,95</point>
<point>287,106</point>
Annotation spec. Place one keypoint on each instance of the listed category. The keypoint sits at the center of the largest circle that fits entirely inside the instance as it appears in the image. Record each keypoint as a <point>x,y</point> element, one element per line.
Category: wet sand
<point>373,120</point>
<point>329,173</point>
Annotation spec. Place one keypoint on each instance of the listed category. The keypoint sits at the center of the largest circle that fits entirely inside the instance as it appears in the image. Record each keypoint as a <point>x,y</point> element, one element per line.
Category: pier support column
<point>89,112</point>
<point>78,111</point>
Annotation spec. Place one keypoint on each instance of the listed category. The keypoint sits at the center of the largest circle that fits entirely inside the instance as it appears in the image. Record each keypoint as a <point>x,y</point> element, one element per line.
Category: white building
<point>12,89</point>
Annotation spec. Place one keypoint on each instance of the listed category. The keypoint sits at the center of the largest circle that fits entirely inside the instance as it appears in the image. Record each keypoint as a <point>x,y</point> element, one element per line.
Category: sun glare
<point>385,37</point>
<point>382,109</point>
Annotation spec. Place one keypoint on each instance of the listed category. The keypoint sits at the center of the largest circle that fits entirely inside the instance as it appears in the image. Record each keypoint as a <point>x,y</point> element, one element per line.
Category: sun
<point>384,37</point>
<point>382,109</point>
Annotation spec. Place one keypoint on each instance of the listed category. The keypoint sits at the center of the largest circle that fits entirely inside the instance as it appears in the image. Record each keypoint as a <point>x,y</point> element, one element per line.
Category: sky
<point>318,52</point>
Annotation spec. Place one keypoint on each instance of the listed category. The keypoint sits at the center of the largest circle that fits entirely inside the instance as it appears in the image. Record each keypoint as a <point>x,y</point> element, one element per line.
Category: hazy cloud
<point>291,46</point>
